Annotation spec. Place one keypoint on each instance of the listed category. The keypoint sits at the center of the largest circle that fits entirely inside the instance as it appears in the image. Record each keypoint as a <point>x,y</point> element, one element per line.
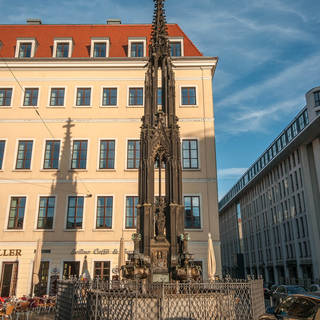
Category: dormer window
<point>176,47</point>
<point>62,48</point>
<point>99,47</point>
<point>137,47</point>
<point>25,48</point>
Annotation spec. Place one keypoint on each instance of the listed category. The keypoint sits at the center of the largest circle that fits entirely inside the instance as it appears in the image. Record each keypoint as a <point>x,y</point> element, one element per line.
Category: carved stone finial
<point>159,36</point>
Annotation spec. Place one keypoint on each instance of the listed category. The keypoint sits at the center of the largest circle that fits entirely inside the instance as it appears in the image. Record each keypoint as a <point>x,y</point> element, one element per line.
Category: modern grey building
<point>270,219</point>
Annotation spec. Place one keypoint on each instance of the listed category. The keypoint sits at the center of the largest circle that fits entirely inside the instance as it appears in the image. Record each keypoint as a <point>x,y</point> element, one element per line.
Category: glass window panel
<point>99,49</point>
<point>175,49</point>
<point>192,212</point>
<point>137,49</point>
<point>109,97</point>
<point>5,96</point>
<point>25,50</point>
<point>190,154</point>
<point>2,145</point>
<point>30,97</point>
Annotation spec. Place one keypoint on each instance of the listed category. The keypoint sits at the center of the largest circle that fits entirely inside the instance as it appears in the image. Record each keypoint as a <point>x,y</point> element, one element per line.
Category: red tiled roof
<point>81,35</point>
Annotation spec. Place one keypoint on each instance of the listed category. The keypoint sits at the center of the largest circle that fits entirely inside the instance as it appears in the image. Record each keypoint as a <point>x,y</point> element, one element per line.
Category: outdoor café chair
<point>8,313</point>
<point>22,308</point>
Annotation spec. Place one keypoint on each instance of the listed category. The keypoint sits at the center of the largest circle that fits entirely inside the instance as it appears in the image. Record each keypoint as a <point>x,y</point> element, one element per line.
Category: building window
<point>79,154</point>
<point>175,48</point>
<point>25,49</point>
<point>133,154</point>
<point>102,270</point>
<point>46,212</point>
<point>294,129</point>
<point>104,212</point>
<point>188,96</point>
<point>71,269</point>
<point>190,154</point>
<point>2,145</point>
<point>135,96</point>
<point>192,212</point>
<point>51,154</point>
<point>5,97</point>
<point>109,97</point>
<point>107,154</point>
<point>24,155</point>
<point>31,97</point>
<point>136,49</point>
<point>83,96</point>
<point>62,50</point>
<point>131,212</point>
<point>289,134</point>
<point>75,212</point>
<point>99,49</point>
<point>57,97</point>
<point>316,98</point>
<point>16,213</point>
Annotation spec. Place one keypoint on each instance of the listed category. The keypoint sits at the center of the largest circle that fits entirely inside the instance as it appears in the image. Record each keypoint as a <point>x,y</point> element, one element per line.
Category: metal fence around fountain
<point>226,299</point>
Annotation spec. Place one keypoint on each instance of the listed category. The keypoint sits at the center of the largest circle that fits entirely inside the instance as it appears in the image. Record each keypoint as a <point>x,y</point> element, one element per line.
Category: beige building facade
<point>71,103</point>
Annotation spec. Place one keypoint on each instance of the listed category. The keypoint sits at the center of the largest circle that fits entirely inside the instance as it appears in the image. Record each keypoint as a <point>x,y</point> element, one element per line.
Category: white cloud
<point>281,82</point>
<point>231,173</point>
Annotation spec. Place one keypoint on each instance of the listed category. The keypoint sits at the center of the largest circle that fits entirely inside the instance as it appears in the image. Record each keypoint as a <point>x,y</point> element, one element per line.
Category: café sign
<point>97,251</point>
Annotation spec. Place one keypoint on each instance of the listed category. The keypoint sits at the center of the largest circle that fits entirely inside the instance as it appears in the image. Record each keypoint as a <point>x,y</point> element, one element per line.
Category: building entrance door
<point>9,279</point>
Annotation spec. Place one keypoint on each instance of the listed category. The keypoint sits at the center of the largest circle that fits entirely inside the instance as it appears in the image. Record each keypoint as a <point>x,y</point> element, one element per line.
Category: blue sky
<point>269,57</point>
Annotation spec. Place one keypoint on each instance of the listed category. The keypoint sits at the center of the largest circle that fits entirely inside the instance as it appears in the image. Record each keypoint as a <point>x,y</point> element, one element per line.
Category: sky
<point>269,57</point>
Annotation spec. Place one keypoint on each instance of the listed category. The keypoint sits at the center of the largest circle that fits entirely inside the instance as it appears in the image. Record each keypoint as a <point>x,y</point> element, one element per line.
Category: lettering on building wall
<point>98,251</point>
<point>10,252</point>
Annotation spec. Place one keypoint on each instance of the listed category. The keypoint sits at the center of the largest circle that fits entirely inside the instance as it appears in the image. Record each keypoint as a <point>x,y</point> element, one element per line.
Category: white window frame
<point>128,96</point>
<point>75,96</point>
<point>24,93</point>
<point>4,152</point>
<point>201,210</point>
<point>62,40</point>
<point>133,230</point>
<point>115,154</point>
<point>66,214</point>
<point>6,221</point>
<point>33,42</point>
<point>43,154</point>
<point>12,95</point>
<point>199,162</point>
<point>101,98</point>
<point>142,40</point>
<point>177,39</point>
<point>16,154</point>
<point>96,213</point>
<point>37,214</point>
<point>105,40</point>
<point>71,149</point>
<point>126,157</point>
<point>64,99</point>
<point>197,96</point>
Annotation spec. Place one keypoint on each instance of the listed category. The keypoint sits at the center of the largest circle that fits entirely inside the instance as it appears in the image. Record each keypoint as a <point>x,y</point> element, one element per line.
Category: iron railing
<point>99,300</point>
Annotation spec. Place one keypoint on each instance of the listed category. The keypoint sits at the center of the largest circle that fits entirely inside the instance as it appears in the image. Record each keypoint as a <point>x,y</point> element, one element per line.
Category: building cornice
<point>119,63</point>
